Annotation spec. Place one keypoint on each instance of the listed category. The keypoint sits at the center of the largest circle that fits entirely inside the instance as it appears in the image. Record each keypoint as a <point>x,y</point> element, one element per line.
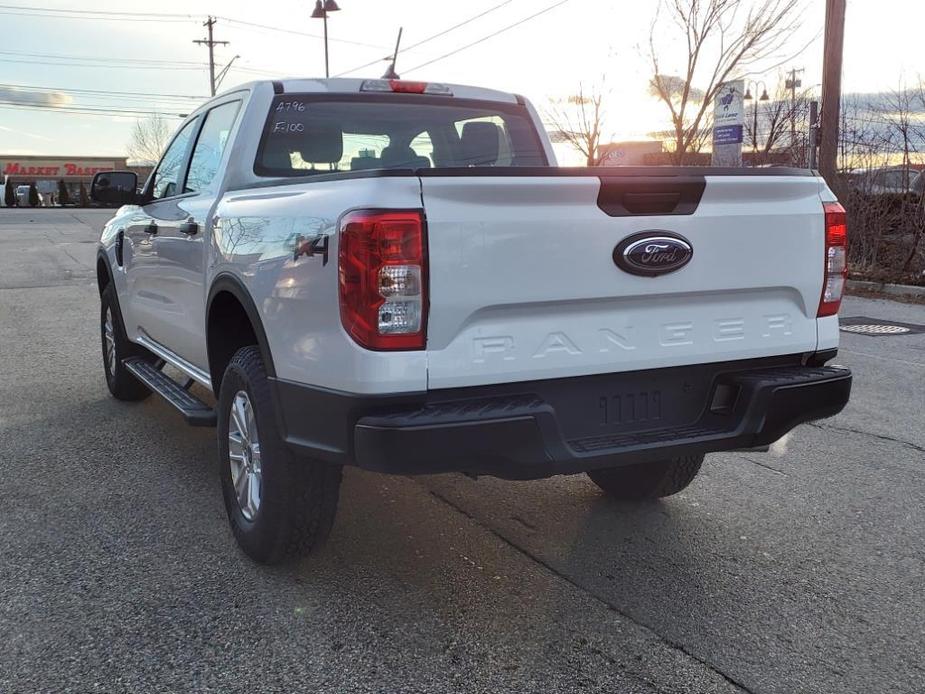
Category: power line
<point>432,37</point>
<point>76,107</point>
<point>141,61</point>
<point>102,91</point>
<point>489,36</point>
<point>88,110</point>
<point>113,15</point>
<point>256,71</point>
<point>101,65</point>
<point>111,101</point>
<point>11,13</point>
<point>211,43</point>
<point>283,30</point>
<point>107,12</point>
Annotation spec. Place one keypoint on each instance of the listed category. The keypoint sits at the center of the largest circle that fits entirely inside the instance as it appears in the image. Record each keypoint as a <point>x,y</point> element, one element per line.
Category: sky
<point>53,53</point>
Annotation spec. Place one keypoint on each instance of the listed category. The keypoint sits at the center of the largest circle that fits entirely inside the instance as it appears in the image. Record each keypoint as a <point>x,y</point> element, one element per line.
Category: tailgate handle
<point>651,203</point>
<point>632,196</point>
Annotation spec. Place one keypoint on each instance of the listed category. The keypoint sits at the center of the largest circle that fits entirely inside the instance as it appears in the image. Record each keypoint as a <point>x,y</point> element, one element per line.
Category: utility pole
<point>813,132</point>
<point>211,43</point>
<point>831,87</point>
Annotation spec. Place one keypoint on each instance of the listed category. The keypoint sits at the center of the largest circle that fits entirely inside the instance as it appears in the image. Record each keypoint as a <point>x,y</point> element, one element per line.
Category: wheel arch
<point>103,272</point>
<point>229,297</point>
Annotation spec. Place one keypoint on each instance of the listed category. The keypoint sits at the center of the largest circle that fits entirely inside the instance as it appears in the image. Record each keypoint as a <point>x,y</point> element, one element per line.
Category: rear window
<point>315,134</point>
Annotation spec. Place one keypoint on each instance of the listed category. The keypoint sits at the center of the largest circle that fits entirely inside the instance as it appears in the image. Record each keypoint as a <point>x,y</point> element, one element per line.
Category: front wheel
<point>648,480</point>
<point>280,506</point>
<point>116,347</point>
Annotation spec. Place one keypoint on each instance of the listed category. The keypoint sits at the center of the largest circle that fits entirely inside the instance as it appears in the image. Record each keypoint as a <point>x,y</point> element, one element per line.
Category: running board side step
<point>194,411</point>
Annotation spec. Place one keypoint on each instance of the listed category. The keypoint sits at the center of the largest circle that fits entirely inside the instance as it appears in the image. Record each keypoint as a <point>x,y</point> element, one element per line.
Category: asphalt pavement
<point>798,570</point>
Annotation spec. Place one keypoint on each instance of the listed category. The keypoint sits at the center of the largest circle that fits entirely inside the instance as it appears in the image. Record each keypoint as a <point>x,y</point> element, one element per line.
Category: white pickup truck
<point>395,275</point>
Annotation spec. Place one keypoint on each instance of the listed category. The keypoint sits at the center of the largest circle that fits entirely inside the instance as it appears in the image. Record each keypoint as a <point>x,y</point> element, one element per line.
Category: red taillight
<point>836,259</point>
<point>383,278</point>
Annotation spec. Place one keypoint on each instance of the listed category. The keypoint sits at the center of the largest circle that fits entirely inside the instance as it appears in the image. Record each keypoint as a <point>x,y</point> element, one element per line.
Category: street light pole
<point>322,7</point>
<point>748,97</point>
<point>327,66</point>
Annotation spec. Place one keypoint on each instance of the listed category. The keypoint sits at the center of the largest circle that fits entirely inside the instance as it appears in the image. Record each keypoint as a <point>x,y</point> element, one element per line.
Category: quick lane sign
<point>728,121</point>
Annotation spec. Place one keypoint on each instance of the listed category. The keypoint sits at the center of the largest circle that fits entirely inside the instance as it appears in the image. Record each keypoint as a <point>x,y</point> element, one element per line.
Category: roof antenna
<point>390,73</point>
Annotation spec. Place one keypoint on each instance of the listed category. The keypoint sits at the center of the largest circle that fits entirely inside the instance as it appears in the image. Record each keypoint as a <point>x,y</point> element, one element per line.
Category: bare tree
<point>720,44</point>
<point>579,121</point>
<point>906,135</point>
<point>149,140</point>
<point>774,121</point>
<point>881,145</point>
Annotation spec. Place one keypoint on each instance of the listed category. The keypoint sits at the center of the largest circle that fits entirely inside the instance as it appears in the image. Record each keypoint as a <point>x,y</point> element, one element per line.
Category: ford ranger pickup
<point>396,275</point>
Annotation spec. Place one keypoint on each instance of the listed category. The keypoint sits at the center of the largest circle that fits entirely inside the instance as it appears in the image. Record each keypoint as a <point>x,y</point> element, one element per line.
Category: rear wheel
<point>648,480</point>
<point>280,506</point>
<point>116,347</point>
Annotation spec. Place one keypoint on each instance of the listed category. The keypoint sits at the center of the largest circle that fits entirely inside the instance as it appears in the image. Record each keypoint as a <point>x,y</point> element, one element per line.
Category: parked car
<point>892,180</point>
<point>395,275</point>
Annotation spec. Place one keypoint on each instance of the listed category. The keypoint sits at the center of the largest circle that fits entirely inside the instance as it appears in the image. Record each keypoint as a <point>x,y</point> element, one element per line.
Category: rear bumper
<point>565,426</point>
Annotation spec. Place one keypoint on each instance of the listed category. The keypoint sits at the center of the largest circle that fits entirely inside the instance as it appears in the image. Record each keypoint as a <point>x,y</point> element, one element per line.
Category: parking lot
<point>799,570</point>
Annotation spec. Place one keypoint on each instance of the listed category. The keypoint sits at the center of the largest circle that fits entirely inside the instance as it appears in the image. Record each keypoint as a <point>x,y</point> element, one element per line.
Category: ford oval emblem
<point>653,253</point>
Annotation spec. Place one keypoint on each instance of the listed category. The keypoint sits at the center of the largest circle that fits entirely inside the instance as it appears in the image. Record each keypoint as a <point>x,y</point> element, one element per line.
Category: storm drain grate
<point>868,329</point>
<point>862,325</point>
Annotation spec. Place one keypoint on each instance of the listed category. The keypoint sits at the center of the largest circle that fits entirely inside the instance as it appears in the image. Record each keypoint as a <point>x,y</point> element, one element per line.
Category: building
<point>46,172</point>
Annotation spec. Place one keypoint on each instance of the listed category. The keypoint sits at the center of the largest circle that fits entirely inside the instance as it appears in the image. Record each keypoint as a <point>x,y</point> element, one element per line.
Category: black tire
<point>298,497</point>
<point>122,384</point>
<point>648,480</point>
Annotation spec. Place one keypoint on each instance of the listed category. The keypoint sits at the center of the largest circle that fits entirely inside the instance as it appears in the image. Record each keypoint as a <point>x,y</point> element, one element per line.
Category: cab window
<point>210,145</point>
<point>310,134</point>
<point>167,176</point>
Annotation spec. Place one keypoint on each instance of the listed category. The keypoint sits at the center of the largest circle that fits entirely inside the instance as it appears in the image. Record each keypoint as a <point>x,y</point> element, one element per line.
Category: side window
<point>207,154</point>
<point>166,179</point>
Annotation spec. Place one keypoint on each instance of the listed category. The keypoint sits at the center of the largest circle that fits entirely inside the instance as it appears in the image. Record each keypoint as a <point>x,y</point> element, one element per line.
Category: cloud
<point>30,98</point>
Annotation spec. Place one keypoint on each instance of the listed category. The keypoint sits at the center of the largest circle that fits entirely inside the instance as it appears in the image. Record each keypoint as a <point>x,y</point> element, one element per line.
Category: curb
<point>884,288</point>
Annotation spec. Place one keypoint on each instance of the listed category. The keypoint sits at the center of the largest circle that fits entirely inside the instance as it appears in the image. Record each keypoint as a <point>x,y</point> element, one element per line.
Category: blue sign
<point>727,135</point>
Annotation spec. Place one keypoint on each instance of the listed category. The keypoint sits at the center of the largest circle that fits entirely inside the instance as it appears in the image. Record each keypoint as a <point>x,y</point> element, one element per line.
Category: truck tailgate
<point>524,286</point>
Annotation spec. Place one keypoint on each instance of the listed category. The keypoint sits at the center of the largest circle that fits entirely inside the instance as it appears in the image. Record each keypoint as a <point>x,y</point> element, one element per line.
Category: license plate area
<point>630,402</point>
<point>630,408</point>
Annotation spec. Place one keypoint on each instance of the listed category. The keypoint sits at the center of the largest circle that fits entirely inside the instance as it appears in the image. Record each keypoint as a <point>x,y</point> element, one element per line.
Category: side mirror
<point>115,188</point>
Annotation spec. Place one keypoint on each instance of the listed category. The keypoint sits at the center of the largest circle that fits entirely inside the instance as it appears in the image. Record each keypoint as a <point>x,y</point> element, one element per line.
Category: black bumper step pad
<point>194,411</point>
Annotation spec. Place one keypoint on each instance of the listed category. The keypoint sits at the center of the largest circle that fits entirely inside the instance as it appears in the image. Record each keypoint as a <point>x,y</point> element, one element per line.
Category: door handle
<point>150,228</point>
<point>189,227</point>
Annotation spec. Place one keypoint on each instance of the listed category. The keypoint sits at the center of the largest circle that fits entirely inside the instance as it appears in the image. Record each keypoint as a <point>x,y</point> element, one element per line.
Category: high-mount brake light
<point>382,261</point>
<point>836,259</point>
<point>405,87</point>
